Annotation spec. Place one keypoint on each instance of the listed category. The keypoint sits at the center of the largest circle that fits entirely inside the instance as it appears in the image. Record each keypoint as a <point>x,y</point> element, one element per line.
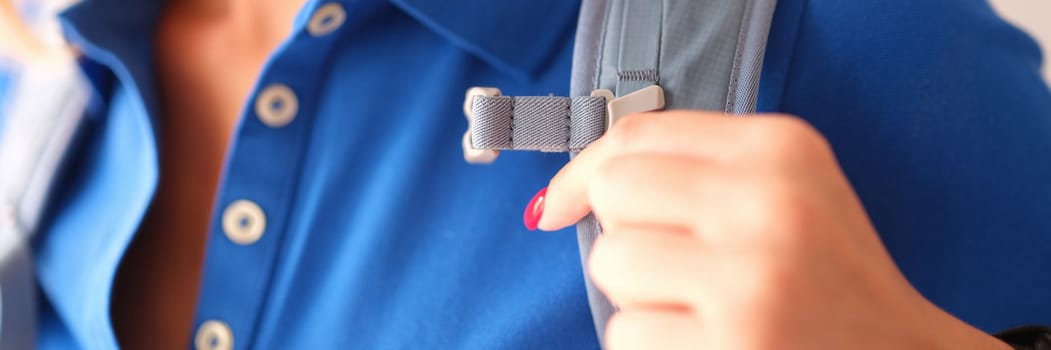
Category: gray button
<point>276,105</point>
<point>243,222</point>
<point>213,335</point>
<point>327,19</point>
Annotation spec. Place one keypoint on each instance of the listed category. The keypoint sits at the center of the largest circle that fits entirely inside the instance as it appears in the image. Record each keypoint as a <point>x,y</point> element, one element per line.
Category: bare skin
<point>208,56</point>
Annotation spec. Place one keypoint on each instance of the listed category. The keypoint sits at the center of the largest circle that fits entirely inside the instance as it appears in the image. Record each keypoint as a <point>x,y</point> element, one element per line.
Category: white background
<point>1034,16</point>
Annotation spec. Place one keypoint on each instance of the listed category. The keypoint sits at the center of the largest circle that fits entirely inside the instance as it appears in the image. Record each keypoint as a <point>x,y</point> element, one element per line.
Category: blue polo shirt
<point>346,217</point>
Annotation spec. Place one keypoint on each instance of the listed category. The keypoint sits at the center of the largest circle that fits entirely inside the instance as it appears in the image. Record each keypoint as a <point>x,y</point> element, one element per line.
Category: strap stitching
<point>650,75</point>
<point>569,123</point>
<point>511,135</point>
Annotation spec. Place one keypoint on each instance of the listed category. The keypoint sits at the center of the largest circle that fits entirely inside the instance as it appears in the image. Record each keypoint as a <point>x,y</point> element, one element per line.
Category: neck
<point>248,16</point>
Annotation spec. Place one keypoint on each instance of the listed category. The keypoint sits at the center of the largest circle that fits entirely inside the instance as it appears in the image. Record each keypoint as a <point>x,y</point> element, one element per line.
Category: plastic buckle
<point>650,98</point>
<point>470,154</point>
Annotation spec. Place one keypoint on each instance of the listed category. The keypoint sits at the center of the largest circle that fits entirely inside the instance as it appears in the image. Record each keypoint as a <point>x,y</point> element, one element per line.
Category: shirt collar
<point>119,35</point>
<point>518,36</point>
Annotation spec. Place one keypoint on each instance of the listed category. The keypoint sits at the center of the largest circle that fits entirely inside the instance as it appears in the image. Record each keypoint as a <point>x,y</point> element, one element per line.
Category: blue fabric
<point>939,117</point>
<point>379,236</point>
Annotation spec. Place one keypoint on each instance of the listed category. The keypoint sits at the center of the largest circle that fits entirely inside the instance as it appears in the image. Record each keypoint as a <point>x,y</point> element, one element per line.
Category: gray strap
<point>748,60</point>
<point>640,42</point>
<point>706,54</point>
<point>538,123</point>
<point>640,27</point>
<point>588,230</point>
<point>587,53</point>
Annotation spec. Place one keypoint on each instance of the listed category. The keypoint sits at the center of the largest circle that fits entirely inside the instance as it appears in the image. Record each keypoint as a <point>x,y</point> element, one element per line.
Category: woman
<point>259,178</point>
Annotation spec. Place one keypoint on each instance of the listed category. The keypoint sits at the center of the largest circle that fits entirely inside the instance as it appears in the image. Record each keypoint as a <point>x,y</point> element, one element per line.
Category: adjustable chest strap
<point>547,123</point>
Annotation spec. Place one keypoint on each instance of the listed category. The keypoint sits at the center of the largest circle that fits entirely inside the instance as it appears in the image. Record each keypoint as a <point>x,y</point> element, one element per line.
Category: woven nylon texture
<point>537,123</point>
<point>698,51</point>
<point>751,48</point>
<point>540,123</point>
<point>640,42</point>
<point>588,122</point>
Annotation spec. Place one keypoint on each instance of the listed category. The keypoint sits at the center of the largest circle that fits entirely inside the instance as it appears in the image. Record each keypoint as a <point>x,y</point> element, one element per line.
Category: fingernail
<point>534,210</point>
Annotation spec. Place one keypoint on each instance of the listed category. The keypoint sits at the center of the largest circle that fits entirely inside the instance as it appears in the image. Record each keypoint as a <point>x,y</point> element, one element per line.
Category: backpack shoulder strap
<point>704,54</point>
<point>682,54</point>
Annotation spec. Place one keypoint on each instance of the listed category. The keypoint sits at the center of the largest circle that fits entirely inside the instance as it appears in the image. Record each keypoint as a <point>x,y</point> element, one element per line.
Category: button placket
<point>261,170</point>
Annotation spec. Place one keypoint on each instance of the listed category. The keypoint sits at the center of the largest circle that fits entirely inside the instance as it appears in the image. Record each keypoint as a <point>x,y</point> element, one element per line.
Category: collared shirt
<point>351,221</point>
<point>355,221</point>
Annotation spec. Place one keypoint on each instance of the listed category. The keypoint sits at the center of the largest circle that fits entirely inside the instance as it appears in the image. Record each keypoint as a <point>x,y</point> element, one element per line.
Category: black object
<point>1027,338</point>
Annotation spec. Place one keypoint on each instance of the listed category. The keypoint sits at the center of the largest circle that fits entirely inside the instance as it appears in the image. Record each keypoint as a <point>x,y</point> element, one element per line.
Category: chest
<point>204,74</point>
<point>377,234</point>
<point>376,229</point>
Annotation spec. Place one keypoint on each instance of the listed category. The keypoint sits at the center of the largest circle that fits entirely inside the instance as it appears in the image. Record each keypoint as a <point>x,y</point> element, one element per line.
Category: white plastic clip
<point>470,154</point>
<point>647,99</point>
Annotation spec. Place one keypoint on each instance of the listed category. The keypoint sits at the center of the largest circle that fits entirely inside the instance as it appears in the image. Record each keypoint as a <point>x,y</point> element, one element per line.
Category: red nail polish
<point>534,210</point>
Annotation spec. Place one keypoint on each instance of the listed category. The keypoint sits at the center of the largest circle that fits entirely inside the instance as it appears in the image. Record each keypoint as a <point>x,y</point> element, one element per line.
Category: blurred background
<point>1033,16</point>
<point>29,32</point>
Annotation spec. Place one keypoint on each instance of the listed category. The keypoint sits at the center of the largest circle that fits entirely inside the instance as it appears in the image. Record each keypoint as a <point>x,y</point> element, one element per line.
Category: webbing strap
<point>637,68</point>
<point>537,123</point>
<point>587,55</point>
<point>640,41</point>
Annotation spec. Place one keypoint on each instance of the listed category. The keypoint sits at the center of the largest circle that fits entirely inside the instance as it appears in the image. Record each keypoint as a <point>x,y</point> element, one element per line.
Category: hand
<point>738,233</point>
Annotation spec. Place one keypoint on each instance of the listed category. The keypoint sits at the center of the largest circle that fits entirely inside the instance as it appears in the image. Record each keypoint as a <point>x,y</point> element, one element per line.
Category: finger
<point>658,189</point>
<point>648,266</point>
<point>705,136</point>
<point>699,134</point>
<point>569,189</point>
<point>635,187</point>
<point>647,329</point>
